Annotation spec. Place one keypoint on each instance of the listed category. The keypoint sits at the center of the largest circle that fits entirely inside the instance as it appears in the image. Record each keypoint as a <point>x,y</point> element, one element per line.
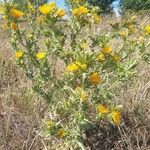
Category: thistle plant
<point>83,91</point>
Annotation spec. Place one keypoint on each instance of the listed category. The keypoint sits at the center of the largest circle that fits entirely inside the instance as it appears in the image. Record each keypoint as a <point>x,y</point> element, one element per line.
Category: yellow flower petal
<point>116,116</point>
<point>13,26</point>
<point>49,124</point>
<point>81,10</point>
<point>102,109</point>
<point>95,78</point>
<point>72,67</point>
<point>78,90</point>
<point>44,9</point>
<point>97,18</point>
<point>76,66</point>
<point>19,54</point>
<point>84,96</point>
<point>61,133</point>
<point>147,29</point>
<point>47,8</point>
<point>84,45</point>
<point>116,57</point>
<point>101,57</point>
<point>122,34</point>
<point>40,55</point>
<point>60,12</point>
<point>107,50</point>
<point>16,13</point>
<point>83,66</point>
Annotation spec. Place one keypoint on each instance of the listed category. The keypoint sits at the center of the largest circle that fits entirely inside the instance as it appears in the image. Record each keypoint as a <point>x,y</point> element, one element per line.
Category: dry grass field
<point>22,112</point>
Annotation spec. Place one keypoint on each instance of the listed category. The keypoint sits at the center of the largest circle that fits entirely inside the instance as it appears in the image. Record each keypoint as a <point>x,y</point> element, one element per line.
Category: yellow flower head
<point>81,10</point>
<point>101,57</point>
<point>147,29</point>
<point>72,67</point>
<point>84,45</point>
<point>97,18</point>
<point>78,90</point>
<point>84,96</point>
<point>47,8</point>
<point>95,78</point>
<point>116,57</point>
<point>116,116</point>
<point>44,9</point>
<point>13,26</point>
<point>83,66</point>
<point>60,12</point>
<point>19,54</point>
<point>75,12</point>
<point>61,133</point>
<point>16,13</point>
<point>76,66</point>
<point>40,55</point>
<point>49,124</point>
<point>102,109</point>
<point>4,27</point>
<point>122,34</point>
<point>107,49</point>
